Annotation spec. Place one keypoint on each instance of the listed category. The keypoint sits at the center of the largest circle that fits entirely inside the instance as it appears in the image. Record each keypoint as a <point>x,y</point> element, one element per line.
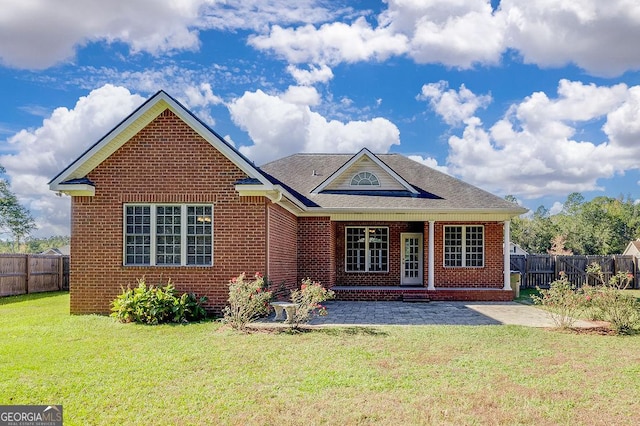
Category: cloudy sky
<point>534,98</point>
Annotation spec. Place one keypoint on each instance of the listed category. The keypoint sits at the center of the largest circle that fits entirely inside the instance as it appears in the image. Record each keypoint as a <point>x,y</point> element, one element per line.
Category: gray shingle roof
<point>437,191</point>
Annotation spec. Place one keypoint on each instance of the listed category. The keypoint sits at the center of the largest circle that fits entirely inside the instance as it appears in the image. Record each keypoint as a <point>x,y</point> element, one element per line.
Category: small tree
<point>558,246</point>
<point>15,219</point>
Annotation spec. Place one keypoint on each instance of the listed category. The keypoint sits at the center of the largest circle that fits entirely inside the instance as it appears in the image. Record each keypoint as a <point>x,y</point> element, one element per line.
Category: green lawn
<point>106,373</point>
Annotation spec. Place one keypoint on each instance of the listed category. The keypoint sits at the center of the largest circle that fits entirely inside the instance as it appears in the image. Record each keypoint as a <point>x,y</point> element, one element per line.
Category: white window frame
<point>367,268</point>
<point>362,176</point>
<point>153,236</point>
<point>463,246</point>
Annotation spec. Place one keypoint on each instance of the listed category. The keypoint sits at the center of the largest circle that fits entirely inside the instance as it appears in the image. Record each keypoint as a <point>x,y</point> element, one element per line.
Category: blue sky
<point>534,98</point>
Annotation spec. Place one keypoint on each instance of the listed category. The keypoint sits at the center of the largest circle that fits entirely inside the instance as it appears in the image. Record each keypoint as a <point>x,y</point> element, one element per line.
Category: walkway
<point>433,313</point>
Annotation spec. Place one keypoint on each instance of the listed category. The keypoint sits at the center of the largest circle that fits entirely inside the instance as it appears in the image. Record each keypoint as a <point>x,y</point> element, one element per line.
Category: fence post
<point>27,274</point>
<point>60,271</point>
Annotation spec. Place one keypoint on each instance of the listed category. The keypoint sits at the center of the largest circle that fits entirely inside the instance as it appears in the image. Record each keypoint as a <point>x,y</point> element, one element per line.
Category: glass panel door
<point>411,258</point>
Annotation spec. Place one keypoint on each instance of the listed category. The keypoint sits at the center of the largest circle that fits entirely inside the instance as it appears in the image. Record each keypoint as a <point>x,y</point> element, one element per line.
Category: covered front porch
<point>422,261</point>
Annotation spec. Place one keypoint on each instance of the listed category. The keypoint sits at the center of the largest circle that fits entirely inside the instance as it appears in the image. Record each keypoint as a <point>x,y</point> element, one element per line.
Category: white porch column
<point>507,256</point>
<point>431,262</point>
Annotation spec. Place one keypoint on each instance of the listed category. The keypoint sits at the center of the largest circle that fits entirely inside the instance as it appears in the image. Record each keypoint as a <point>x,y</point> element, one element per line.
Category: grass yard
<point>106,373</point>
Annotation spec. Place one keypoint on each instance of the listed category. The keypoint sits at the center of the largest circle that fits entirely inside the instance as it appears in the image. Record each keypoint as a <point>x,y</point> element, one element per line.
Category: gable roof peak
<point>364,152</point>
<point>131,125</point>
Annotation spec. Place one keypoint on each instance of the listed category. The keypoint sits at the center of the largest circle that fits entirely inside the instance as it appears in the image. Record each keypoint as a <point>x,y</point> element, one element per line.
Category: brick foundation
<point>396,294</point>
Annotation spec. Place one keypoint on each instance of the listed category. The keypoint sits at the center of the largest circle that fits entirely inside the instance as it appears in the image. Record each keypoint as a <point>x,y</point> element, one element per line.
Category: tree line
<point>33,245</point>
<point>17,224</point>
<point>601,226</point>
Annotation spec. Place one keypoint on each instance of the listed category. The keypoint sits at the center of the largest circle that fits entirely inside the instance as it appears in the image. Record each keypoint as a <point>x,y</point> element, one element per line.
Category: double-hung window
<point>168,235</point>
<point>464,246</point>
<point>366,249</point>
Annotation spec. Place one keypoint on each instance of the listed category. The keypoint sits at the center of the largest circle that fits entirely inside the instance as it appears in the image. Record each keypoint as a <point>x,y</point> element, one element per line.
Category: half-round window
<point>365,179</point>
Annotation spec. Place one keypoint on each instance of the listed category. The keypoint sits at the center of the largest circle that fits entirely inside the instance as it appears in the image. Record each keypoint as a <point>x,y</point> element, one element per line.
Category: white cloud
<point>257,15</point>
<point>433,31</point>
<point>532,151</point>
<point>598,36</point>
<point>320,74</point>
<point>623,123</point>
<point>278,128</point>
<point>455,107</point>
<point>332,43</point>
<point>301,95</point>
<point>201,96</point>
<point>448,32</point>
<point>430,162</point>
<point>556,208</point>
<point>42,153</point>
<point>191,87</point>
<point>39,33</point>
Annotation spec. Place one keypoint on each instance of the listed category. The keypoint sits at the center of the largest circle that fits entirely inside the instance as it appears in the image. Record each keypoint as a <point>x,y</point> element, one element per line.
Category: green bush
<point>248,300</point>
<point>157,305</point>
<point>608,303</point>
<point>564,303</point>
<point>603,301</point>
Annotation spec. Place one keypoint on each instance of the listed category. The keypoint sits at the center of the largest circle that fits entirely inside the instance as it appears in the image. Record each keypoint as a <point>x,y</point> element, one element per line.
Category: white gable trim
<point>364,152</point>
<point>131,125</point>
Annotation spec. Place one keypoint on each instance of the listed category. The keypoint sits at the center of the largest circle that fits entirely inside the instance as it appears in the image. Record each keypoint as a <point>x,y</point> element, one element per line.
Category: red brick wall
<point>316,250</point>
<point>166,162</point>
<point>489,276</point>
<point>282,250</point>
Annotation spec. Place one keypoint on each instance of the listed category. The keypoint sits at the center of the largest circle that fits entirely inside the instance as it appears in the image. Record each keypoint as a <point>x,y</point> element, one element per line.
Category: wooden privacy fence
<point>539,270</point>
<point>33,273</point>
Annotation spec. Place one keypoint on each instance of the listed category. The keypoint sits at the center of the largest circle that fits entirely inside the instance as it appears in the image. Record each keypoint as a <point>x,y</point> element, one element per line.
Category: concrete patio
<point>435,313</point>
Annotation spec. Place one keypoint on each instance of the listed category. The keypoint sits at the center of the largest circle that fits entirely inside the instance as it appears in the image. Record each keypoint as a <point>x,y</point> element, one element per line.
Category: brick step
<point>415,298</point>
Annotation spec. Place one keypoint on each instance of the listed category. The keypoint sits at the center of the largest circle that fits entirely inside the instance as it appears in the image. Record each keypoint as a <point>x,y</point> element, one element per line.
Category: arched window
<point>365,179</point>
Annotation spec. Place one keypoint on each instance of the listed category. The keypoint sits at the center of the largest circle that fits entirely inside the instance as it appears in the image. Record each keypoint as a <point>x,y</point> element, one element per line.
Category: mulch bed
<point>600,330</point>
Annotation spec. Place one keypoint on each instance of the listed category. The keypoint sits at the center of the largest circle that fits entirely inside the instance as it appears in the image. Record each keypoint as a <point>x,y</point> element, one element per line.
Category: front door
<point>411,258</point>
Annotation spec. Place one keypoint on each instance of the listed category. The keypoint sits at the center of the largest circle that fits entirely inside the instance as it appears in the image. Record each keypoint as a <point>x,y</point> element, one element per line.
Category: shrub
<point>608,303</point>
<point>190,307</point>
<point>248,300</point>
<point>309,299</point>
<point>564,303</point>
<point>156,305</point>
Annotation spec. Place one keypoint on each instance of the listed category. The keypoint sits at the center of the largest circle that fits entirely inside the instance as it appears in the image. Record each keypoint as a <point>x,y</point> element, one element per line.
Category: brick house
<point>163,195</point>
